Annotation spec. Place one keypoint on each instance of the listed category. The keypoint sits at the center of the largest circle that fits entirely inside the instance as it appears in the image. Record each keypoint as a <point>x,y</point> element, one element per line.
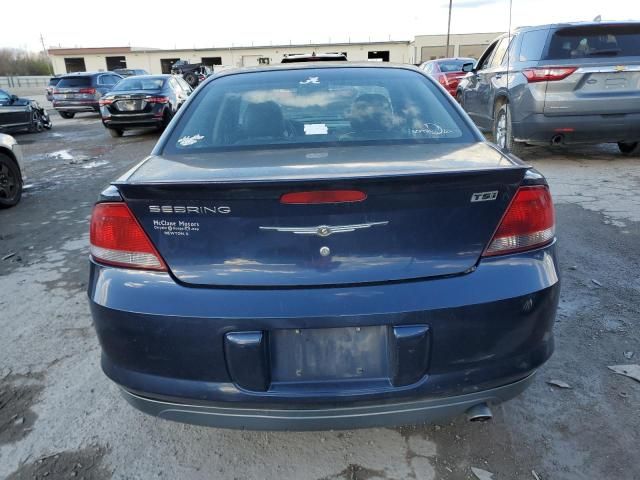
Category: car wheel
<point>67,114</point>
<point>10,182</point>
<point>503,131</point>
<point>628,148</point>
<point>115,132</point>
<point>166,118</point>
<point>191,79</point>
<point>36,122</point>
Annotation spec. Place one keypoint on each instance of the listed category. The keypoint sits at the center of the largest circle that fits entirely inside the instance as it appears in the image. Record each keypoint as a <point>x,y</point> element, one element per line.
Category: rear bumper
<point>167,344</point>
<point>539,128</point>
<point>406,413</point>
<point>132,120</point>
<point>76,105</point>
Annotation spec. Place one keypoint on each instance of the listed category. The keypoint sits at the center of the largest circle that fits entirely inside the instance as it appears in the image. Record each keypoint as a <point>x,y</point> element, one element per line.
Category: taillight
<point>444,81</point>
<point>156,99</point>
<point>547,74</point>
<point>116,238</point>
<point>323,196</point>
<point>528,223</point>
<point>105,101</point>
<point>87,90</point>
<point>56,91</point>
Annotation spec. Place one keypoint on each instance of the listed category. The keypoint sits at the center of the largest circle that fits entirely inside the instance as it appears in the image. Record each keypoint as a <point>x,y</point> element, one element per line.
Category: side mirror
<point>467,67</point>
<point>14,98</point>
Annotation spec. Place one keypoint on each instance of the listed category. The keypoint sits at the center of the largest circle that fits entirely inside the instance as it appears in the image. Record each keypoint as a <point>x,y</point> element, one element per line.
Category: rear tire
<point>10,182</point>
<point>628,148</point>
<point>115,132</point>
<point>503,131</point>
<point>67,114</point>
<point>191,79</point>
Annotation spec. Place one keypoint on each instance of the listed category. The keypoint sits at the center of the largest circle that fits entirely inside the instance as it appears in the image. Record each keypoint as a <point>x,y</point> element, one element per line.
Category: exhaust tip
<point>557,140</point>
<point>479,413</point>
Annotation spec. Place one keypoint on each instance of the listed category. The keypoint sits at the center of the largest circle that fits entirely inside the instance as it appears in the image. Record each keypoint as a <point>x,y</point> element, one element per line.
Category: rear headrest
<point>371,112</point>
<point>263,120</point>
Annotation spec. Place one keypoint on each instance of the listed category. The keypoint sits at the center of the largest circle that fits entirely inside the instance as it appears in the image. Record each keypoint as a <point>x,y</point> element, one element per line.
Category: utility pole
<point>449,27</point>
<point>44,49</point>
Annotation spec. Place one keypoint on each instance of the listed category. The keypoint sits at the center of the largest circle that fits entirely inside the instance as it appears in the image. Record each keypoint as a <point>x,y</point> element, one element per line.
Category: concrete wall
<point>424,47</point>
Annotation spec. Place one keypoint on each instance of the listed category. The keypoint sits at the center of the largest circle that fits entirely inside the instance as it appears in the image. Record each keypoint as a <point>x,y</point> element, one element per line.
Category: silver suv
<point>558,84</point>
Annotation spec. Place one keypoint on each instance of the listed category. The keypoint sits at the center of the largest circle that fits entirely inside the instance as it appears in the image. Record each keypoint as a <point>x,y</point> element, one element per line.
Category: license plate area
<point>329,354</point>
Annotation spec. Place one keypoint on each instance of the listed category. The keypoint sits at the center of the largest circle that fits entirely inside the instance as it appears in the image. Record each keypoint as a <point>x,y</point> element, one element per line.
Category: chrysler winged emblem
<point>325,230</point>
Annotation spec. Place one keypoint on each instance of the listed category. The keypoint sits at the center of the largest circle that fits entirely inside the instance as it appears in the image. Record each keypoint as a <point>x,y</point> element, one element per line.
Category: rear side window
<point>310,107</point>
<point>595,41</point>
<point>53,82</point>
<point>71,82</point>
<point>532,45</point>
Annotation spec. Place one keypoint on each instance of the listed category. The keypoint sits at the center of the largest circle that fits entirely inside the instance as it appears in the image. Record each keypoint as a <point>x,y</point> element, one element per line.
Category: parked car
<point>322,57</point>
<point>22,114</point>
<point>53,81</point>
<point>319,247</point>
<point>559,84</point>
<point>11,171</point>
<point>143,101</point>
<point>130,72</point>
<point>192,73</point>
<point>81,92</point>
<point>447,71</point>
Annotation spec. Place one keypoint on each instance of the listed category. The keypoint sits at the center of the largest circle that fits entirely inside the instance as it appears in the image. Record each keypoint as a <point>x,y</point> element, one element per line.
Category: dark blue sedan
<point>321,246</point>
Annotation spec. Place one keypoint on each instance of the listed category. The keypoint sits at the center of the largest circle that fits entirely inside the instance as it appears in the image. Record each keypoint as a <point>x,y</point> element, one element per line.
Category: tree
<point>21,62</point>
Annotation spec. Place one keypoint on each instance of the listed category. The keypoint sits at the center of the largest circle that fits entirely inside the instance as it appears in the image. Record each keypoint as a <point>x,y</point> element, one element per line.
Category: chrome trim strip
<point>608,69</point>
<point>325,230</point>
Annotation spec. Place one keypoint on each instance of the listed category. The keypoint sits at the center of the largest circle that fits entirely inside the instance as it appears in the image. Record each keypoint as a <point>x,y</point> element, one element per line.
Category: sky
<point>224,23</point>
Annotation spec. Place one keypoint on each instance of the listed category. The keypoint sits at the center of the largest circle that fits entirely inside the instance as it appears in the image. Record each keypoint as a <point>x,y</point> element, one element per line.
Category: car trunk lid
<point>429,212</point>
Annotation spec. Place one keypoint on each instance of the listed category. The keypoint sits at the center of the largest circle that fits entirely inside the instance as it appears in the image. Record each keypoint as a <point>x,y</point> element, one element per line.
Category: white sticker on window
<point>314,80</point>
<point>315,129</point>
<point>190,140</point>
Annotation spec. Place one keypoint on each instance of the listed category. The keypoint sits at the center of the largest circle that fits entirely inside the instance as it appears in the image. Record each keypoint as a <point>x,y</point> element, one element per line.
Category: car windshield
<point>70,82</point>
<point>139,83</point>
<point>324,106</point>
<point>453,65</point>
<point>595,40</point>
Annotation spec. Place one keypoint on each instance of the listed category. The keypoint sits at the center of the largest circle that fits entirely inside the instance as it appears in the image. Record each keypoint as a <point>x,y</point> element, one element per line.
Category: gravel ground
<point>61,418</point>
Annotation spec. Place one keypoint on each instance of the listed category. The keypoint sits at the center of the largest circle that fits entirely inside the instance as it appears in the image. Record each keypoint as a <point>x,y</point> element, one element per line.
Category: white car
<point>11,171</point>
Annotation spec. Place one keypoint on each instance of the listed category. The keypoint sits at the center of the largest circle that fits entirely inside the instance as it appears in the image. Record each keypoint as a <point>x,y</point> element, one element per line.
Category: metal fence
<point>24,81</point>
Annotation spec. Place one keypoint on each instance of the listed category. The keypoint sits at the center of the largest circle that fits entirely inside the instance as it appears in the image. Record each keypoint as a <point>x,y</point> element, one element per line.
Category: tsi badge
<point>484,196</point>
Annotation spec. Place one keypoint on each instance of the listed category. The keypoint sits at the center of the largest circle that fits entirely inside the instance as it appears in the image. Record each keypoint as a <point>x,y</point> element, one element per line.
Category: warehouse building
<point>422,48</point>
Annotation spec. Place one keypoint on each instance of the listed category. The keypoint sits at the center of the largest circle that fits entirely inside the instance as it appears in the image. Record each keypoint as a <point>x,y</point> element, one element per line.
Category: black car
<point>81,92</point>
<point>130,72</point>
<point>21,114</point>
<point>143,101</point>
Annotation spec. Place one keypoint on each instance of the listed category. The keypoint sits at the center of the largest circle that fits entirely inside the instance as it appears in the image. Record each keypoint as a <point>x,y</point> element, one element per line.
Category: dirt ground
<point>61,418</point>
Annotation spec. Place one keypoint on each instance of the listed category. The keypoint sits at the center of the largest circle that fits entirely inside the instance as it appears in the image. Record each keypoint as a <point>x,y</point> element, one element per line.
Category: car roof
<point>315,66</point>
<point>574,24</point>
<point>86,74</point>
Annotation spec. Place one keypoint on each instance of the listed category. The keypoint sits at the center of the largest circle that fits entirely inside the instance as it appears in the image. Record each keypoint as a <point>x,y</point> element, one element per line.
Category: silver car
<point>11,177</point>
<point>558,84</point>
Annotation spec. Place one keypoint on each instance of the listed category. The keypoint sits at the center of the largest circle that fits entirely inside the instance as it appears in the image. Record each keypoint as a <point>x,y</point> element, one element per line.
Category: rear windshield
<point>138,83</point>
<point>453,65</point>
<point>595,41</point>
<point>337,58</point>
<point>70,82</point>
<point>53,82</point>
<point>310,107</point>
